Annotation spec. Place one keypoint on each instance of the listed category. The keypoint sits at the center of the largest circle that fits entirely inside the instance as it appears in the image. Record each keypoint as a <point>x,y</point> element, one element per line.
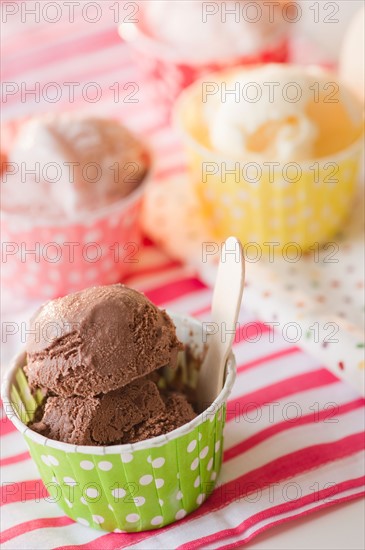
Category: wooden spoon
<point>226,303</point>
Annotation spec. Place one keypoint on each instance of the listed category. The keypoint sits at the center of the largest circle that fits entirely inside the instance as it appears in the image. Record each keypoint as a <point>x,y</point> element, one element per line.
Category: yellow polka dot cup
<point>261,200</point>
<point>128,488</point>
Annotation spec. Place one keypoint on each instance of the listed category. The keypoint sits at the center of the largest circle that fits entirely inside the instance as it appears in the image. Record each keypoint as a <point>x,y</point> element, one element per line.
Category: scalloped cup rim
<point>86,216</point>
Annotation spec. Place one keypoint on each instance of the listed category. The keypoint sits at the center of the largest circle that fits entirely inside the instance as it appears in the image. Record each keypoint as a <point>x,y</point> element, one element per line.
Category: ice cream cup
<point>44,259</point>
<point>128,488</point>
<point>304,202</point>
<point>169,74</point>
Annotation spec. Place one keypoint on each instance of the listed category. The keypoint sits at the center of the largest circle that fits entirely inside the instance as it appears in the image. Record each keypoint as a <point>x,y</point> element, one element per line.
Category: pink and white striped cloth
<point>294,443</point>
<point>294,439</point>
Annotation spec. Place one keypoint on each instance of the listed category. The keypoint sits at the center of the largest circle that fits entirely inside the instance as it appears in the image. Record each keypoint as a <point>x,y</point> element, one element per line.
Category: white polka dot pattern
<point>50,276</point>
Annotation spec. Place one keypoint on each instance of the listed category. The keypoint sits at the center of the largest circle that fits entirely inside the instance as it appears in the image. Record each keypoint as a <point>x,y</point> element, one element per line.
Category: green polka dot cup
<point>128,488</point>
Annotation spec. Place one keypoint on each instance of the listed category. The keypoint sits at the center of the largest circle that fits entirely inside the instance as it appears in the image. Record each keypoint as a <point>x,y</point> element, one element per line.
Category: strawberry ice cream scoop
<point>205,31</point>
<point>61,164</point>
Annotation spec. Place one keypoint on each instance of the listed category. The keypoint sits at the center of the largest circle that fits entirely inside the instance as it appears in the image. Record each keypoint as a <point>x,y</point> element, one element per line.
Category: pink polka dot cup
<point>169,70</point>
<point>44,258</point>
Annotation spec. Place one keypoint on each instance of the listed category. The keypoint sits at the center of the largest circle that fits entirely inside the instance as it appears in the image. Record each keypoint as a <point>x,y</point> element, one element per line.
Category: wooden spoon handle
<point>226,302</point>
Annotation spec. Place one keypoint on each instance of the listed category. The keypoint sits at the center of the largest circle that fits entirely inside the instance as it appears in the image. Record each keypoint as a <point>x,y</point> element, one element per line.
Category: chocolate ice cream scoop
<point>98,340</point>
<point>100,420</point>
<point>177,412</point>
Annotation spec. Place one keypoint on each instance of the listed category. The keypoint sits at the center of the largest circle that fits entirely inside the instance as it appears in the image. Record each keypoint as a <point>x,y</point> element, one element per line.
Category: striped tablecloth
<point>294,437</point>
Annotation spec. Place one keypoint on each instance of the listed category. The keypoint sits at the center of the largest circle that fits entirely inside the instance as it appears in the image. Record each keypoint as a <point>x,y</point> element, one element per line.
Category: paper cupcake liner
<point>42,259</point>
<point>127,488</point>
<point>304,213</point>
<point>71,257</point>
<point>269,208</point>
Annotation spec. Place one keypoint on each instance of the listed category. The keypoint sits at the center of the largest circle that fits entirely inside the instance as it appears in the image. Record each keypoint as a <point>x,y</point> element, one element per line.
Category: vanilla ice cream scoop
<point>211,31</point>
<point>62,164</point>
<point>264,113</point>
